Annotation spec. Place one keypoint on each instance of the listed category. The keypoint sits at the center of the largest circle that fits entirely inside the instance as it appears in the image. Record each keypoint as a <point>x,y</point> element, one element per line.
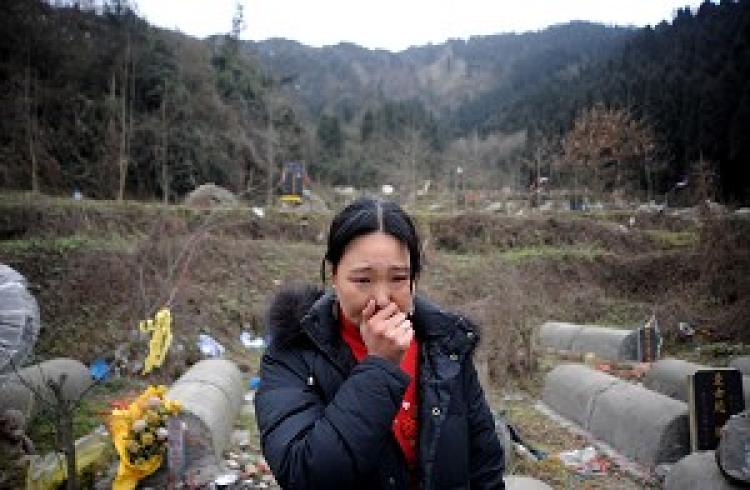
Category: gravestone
<point>698,471</point>
<point>649,341</point>
<point>714,395</point>
<point>733,453</point>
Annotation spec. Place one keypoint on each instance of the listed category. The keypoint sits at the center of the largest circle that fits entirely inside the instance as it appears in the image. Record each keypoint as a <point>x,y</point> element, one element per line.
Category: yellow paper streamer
<point>161,338</point>
<point>121,427</point>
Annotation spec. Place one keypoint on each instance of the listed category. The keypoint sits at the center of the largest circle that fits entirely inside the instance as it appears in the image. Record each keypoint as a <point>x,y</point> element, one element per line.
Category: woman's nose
<point>382,297</point>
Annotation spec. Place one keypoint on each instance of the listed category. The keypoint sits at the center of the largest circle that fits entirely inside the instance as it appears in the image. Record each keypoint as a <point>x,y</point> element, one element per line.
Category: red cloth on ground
<point>405,425</point>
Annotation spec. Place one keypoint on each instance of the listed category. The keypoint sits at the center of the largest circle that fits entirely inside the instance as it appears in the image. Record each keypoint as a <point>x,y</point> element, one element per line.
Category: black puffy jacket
<point>325,420</point>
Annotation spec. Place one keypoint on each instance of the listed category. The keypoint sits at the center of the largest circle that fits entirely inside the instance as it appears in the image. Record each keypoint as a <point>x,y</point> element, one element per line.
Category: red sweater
<point>405,425</point>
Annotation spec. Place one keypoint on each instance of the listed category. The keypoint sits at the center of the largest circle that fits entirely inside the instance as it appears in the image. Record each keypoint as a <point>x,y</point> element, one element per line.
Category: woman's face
<point>374,266</point>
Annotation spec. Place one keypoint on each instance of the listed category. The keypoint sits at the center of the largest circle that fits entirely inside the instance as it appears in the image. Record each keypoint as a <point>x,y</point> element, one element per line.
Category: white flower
<point>139,425</point>
<point>153,402</point>
<point>162,433</point>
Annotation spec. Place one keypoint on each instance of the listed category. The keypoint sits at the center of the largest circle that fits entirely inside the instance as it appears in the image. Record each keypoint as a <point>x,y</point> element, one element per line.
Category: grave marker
<point>175,451</point>
<point>649,341</point>
<point>714,395</point>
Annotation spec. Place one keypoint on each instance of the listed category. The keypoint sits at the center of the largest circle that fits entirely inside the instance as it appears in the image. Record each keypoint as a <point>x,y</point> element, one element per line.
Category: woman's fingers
<point>368,311</point>
<point>387,332</point>
<point>385,313</point>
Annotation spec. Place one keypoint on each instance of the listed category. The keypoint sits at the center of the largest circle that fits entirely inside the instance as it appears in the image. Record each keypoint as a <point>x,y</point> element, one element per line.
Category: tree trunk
<point>31,124</point>
<point>164,148</point>
<point>64,428</point>
<point>124,133</point>
<point>69,446</point>
<point>269,191</point>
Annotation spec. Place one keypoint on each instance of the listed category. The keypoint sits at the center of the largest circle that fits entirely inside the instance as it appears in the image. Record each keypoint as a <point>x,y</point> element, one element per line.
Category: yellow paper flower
<point>133,446</point>
<point>152,418</point>
<point>139,425</point>
<point>147,438</point>
<point>173,407</point>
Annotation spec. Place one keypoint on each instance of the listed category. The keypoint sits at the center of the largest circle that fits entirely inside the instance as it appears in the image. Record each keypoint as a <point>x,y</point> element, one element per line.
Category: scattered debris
<point>252,342</point>
<point>225,480</point>
<point>585,461</point>
<point>209,347</point>
<point>99,369</point>
<point>686,329</point>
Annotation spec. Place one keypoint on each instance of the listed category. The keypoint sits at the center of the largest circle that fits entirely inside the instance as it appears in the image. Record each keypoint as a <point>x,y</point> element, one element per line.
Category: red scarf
<point>405,425</point>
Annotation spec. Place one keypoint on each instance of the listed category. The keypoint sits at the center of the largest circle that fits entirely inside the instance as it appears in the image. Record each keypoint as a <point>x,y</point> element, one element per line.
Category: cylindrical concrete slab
<point>16,395</point>
<point>607,343</point>
<point>570,389</point>
<point>648,427</point>
<point>698,471</point>
<point>741,363</point>
<point>211,390</point>
<point>669,377</point>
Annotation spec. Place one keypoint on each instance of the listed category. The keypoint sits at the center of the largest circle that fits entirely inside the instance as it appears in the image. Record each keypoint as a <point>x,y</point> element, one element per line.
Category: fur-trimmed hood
<point>287,309</point>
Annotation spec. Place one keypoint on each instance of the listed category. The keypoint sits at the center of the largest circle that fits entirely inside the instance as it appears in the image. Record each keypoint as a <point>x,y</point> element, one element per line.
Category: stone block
<point>606,343</point>
<point>698,471</point>
<point>669,377</point>
<point>741,363</point>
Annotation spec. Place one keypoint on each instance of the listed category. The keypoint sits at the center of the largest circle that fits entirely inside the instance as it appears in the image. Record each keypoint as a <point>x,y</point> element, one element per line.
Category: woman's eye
<point>361,280</point>
<point>401,278</point>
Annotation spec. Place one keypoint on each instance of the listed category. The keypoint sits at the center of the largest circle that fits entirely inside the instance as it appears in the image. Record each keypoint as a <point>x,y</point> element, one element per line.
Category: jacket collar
<point>446,331</point>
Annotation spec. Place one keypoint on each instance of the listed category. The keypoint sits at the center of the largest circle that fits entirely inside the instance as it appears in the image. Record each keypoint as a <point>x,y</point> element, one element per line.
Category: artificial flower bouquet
<point>139,433</point>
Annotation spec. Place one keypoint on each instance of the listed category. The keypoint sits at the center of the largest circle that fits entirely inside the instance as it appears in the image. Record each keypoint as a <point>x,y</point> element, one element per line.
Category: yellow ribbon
<point>161,338</point>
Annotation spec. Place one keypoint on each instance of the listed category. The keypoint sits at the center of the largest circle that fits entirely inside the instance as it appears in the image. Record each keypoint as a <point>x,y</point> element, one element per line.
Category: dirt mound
<point>478,232</point>
<point>44,218</point>
<point>210,196</point>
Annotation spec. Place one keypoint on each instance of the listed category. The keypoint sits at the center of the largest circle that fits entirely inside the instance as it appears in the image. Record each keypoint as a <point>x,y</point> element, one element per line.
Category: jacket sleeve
<point>487,459</point>
<point>312,445</point>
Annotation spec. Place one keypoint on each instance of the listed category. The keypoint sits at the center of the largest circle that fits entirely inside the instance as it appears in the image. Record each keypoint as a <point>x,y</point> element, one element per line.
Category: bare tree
<point>164,148</point>
<point>126,117</point>
<point>63,410</point>
<point>609,147</point>
<point>32,123</point>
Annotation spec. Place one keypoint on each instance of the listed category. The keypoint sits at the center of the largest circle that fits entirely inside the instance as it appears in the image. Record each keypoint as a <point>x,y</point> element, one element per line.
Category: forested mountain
<point>103,102</point>
<point>457,76</point>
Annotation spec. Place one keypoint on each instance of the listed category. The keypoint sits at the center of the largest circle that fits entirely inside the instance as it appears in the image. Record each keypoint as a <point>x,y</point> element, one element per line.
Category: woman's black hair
<point>367,215</point>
